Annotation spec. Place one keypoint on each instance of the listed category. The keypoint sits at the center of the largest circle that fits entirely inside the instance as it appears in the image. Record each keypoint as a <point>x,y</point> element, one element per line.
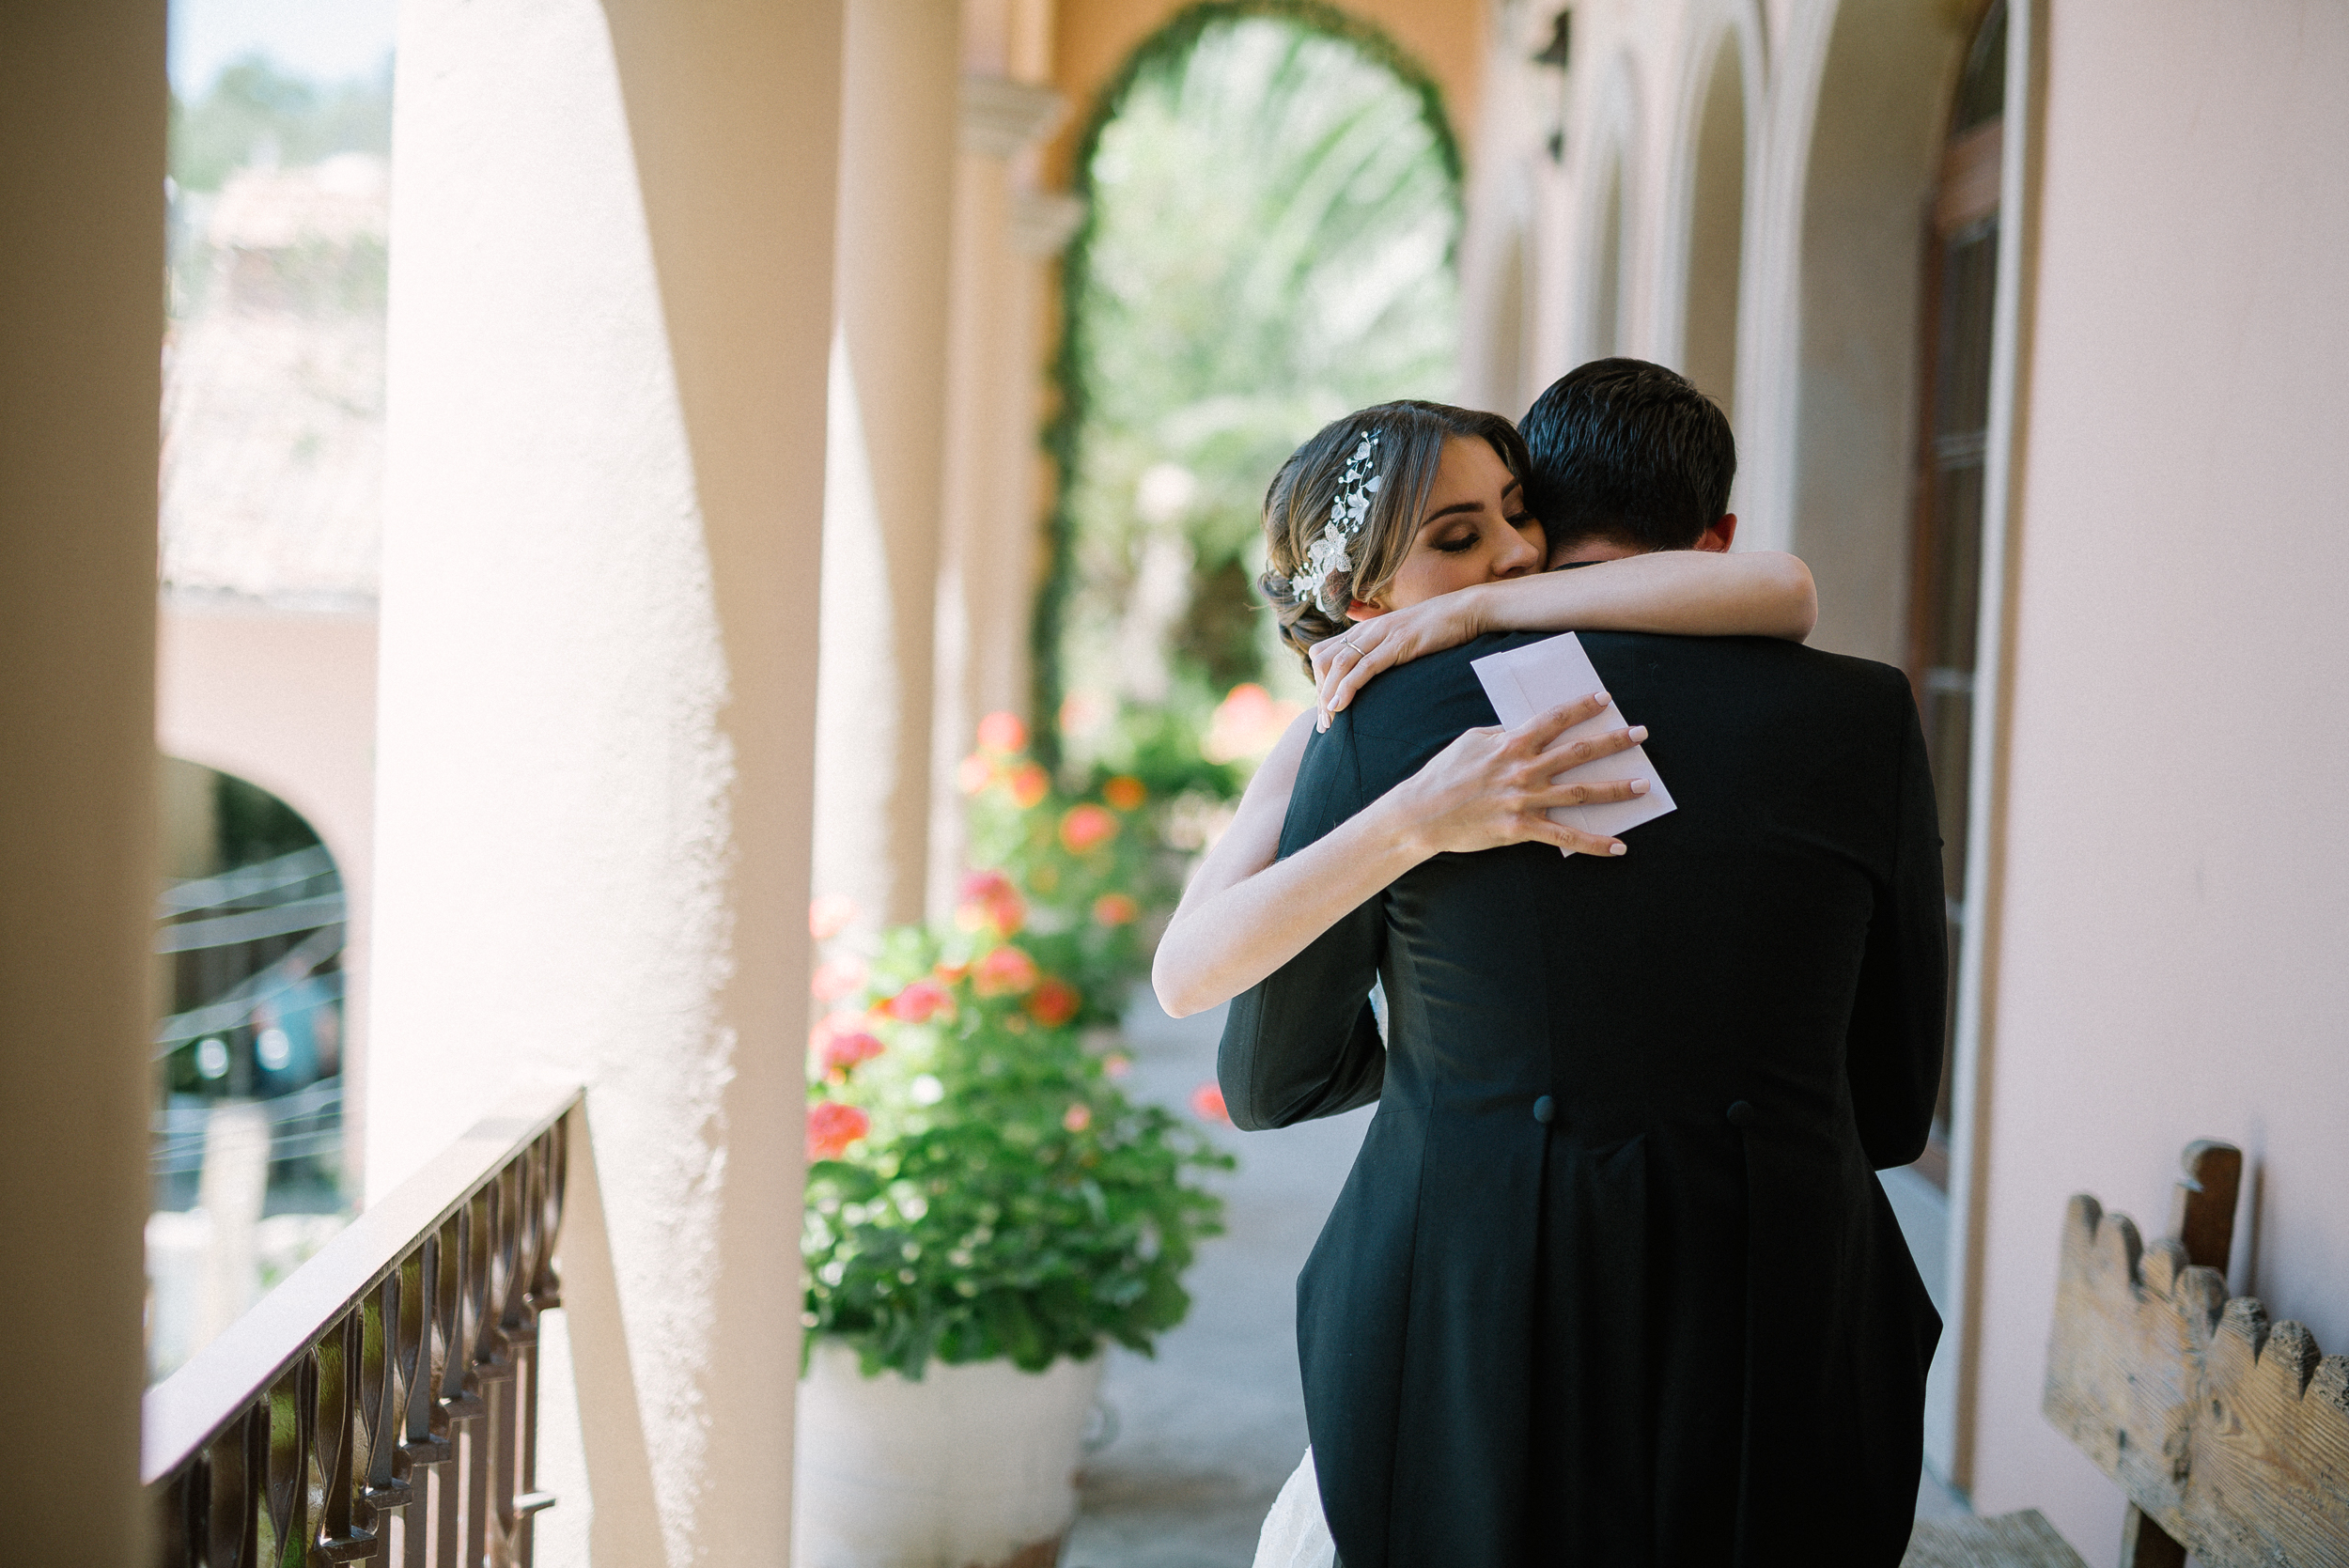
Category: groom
<point>1612,1282</point>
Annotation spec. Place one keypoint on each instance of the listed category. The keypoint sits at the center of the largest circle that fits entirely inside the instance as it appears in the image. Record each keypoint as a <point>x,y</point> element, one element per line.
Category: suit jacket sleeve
<point>1304,1043</point>
<point>1899,1018</point>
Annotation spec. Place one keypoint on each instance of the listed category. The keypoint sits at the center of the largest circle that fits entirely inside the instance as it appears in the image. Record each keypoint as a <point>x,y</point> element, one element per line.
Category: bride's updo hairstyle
<point>1374,468</point>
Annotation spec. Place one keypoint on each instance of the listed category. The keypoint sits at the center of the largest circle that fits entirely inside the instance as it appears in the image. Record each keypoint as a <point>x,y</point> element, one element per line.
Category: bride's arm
<point>1246,912</point>
<point>1689,593</point>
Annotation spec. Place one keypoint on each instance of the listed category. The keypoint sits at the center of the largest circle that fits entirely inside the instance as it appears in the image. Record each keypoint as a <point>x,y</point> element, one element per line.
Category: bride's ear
<point>1362,610</point>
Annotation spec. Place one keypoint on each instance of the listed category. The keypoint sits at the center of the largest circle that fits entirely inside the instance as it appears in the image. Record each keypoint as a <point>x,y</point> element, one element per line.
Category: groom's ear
<point>1716,540</point>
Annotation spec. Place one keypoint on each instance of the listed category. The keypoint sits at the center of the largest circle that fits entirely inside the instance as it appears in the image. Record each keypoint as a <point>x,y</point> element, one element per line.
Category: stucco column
<point>81,335</point>
<point>611,307</point>
<point>1006,232</point>
<point>887,448</point>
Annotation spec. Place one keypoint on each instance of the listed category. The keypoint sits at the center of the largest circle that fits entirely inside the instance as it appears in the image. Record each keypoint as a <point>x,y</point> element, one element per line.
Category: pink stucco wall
<point>2170,950</point>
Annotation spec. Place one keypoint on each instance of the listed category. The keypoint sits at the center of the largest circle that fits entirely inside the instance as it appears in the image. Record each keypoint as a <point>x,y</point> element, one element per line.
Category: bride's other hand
<point>1344,662</point>
<point>1492,786</point>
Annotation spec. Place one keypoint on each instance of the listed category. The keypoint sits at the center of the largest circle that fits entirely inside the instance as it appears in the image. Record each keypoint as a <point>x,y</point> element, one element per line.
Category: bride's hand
<point>1344,662</point>
<point>1492,786</point>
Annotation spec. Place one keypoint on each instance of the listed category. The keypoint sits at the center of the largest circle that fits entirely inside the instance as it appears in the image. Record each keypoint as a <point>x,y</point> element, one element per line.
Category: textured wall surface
<point>2174,907</point>
<point>611,302</point>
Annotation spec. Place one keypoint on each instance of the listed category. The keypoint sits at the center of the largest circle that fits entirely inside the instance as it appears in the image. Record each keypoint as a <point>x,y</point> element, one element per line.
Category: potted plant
<point>985,1209</point>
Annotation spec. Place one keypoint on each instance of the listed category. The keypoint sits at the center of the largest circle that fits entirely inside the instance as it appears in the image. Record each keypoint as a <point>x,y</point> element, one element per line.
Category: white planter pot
<point>973,1467</point>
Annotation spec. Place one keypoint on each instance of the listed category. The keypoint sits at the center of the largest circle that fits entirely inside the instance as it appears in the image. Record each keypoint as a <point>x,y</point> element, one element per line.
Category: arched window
<point>1944,561</point>
<point>1603,332</point>
<point>248,1137</point>
<point>1717,215</point>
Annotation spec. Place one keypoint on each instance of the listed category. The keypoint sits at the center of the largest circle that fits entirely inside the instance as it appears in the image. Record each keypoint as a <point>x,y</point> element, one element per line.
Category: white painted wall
<point>2169,940</point>
<point>611,302</point>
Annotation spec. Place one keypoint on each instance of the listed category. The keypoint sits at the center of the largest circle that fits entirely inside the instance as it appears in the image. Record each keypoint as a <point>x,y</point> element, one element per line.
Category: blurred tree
<point>256,114</point>
<point>1273,206</point>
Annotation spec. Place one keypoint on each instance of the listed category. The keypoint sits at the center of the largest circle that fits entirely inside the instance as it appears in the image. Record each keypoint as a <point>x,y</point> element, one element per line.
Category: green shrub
<point>978,1187</point>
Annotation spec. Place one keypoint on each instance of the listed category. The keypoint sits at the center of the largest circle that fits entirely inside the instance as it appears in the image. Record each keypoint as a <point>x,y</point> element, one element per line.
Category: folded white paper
<point>1538,676</point>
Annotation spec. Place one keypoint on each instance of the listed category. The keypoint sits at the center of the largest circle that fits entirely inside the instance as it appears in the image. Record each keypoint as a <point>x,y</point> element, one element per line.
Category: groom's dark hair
<point>1628,452</point>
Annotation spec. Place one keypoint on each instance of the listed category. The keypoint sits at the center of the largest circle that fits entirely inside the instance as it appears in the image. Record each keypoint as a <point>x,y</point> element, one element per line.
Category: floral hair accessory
<point>1327,563</point>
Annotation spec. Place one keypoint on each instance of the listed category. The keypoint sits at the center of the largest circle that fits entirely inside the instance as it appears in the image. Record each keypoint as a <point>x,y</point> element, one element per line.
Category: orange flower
<point>1246,723</point>
<point>837,977</point>
<point>1003,733</point>
<point>1125,792</point>
<point>1053,1004</point>
<point>1206,1103</point>
<point>974,773</point>
<point>1029,784</point>
<point>842,1053</point>
<point>1086,827</point>
<point>920,1002</point>
<point>830,916</point>
<point>1007,971</point>
<point>1115,908</point>
<point>990,900</point>
<point>833,1127</point>
<point>1078,1117</point>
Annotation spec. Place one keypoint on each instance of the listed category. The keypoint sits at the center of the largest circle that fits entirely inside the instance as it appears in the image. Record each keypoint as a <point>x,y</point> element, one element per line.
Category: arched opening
<point>1272,214</point>
<point>1717,219</point>
<point>1873,145</point>
<point>1954,391</point>
<point>247,1154</point>
<point>1602,325</point>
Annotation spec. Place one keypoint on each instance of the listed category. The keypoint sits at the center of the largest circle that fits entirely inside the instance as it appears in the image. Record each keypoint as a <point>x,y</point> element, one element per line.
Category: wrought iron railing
<point>382,1402</point>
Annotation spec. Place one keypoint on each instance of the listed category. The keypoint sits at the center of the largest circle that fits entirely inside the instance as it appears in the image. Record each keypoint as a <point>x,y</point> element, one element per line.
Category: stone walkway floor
<point>1200,1438</point>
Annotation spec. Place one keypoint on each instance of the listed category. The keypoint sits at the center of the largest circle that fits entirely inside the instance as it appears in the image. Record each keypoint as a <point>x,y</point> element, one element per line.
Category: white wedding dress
<point>1294,1533</point>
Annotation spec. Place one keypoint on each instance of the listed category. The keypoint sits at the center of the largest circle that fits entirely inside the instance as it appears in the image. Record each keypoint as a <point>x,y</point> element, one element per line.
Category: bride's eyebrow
<point>1436,517</point>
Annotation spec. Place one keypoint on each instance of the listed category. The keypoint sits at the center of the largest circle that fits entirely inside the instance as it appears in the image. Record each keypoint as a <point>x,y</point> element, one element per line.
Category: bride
<point>1465,558</point>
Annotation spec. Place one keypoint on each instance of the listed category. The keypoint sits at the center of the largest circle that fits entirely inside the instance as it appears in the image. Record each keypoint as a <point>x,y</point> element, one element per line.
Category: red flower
<point>989,901</point>
<point>837,977</point>
<point>842,1052</point>
<point>1003,733</point>
<point>1206,1103</point>
<point>832,1127</point>
<point>1086,827</point>
<point>1053,1004</point>
<point>1125,792</point>
<point>1117,1064</point>
<point>1078,1117</point>
<point>1029,783</point>
<point>920,1002</point>
<point>1115,908</point>
<point>1007,971</point>
<point>974,773</point>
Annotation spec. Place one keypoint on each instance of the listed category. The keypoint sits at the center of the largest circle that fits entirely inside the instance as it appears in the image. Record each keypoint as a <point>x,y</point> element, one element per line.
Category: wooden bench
<point>2229,1434</point>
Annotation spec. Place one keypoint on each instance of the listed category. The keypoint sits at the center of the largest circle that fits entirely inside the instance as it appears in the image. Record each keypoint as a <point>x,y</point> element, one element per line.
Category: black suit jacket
<point>1611,1281</point>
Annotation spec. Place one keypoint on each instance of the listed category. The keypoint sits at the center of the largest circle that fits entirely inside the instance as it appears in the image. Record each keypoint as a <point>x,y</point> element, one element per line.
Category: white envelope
<point>1538,676</point>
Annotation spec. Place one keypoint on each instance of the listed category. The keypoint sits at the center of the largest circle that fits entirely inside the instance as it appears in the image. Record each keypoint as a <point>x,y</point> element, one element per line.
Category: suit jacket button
<point>1742,1114</point>
<point>1544,1108</point>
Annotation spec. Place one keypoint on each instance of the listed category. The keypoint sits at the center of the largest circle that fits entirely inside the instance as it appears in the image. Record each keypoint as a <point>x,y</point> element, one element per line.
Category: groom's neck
<point>1591,551</point>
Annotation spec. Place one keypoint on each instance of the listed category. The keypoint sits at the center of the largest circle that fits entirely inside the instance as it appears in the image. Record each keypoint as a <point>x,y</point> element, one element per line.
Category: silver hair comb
<point>1326,578</point>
